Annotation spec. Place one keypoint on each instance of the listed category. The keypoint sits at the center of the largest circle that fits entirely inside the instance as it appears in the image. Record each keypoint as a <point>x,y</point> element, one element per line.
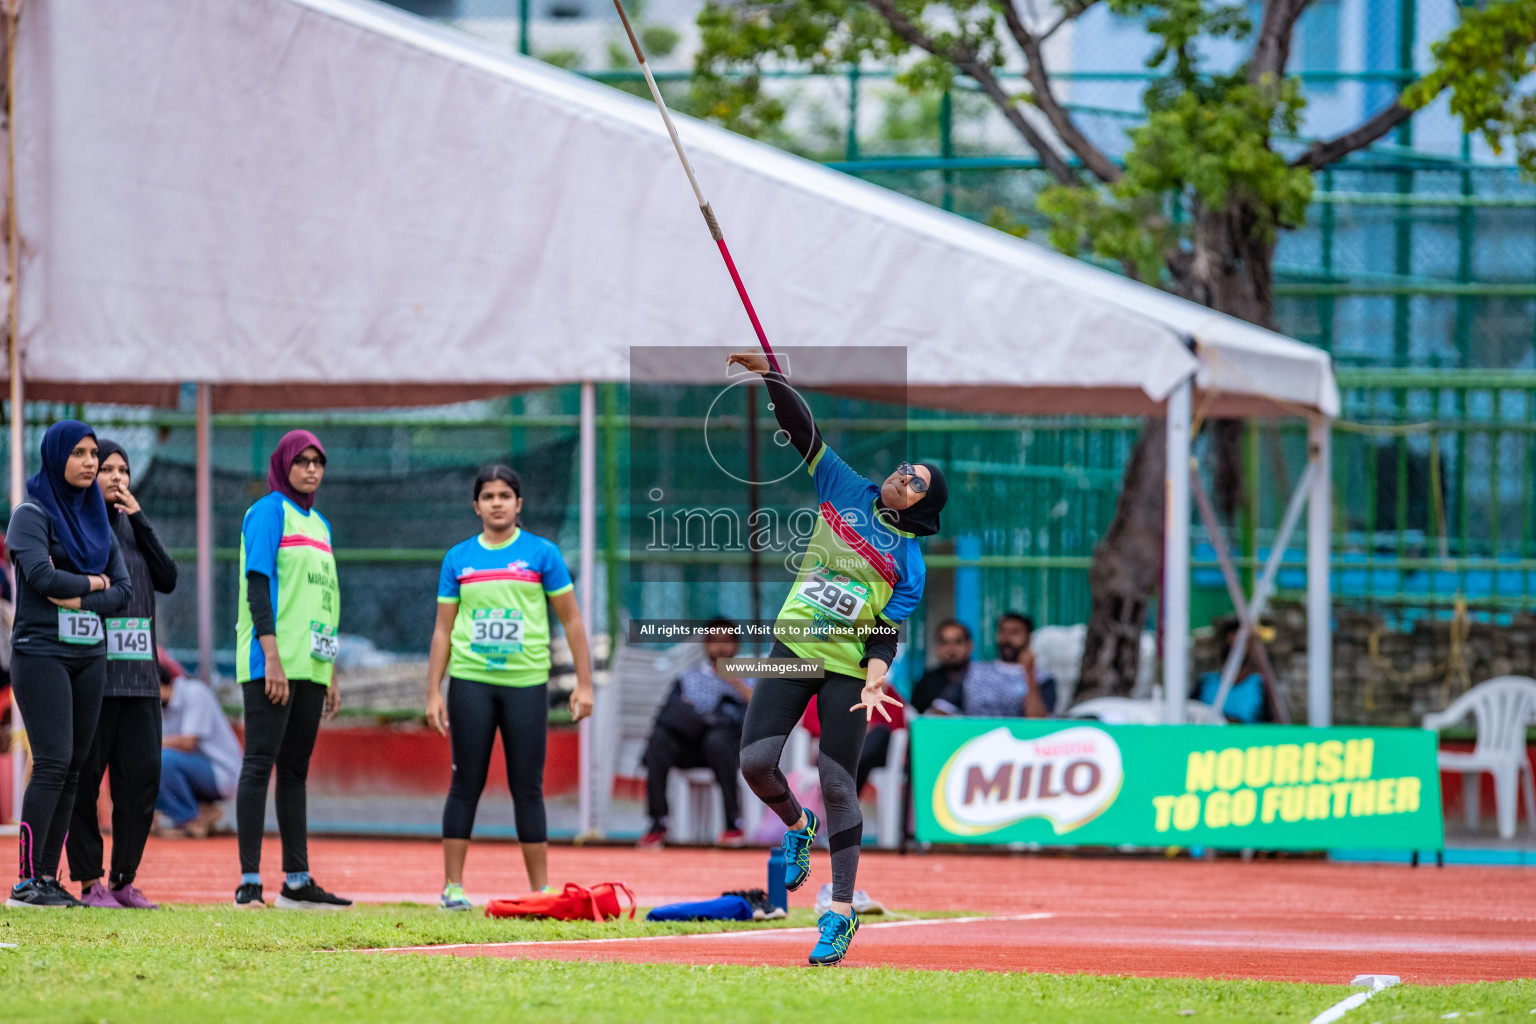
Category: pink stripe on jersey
<point>500,575</point>
<point>299,540</point>
<point>878,560</point>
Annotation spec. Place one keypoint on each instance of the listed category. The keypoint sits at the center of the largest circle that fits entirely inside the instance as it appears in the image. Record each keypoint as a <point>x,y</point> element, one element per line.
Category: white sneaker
<point>864,905</point>
<point>862,902</point>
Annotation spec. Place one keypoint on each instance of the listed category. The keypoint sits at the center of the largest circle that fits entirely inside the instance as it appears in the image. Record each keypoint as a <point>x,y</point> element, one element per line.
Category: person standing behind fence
<point>69,573</point>
<point>285,656</point>
<point>492,640</point>
<point>127,743</point>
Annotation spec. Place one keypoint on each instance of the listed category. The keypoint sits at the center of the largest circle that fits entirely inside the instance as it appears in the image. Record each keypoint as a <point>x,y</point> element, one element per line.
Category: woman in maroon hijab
<point>286,645</point>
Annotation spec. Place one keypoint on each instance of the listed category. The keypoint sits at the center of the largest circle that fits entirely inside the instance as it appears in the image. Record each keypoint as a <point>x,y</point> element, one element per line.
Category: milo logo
<point>996,780</point>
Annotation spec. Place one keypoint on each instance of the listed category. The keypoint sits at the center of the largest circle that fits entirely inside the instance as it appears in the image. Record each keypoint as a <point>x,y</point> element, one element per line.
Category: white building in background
<point>1334,37</point>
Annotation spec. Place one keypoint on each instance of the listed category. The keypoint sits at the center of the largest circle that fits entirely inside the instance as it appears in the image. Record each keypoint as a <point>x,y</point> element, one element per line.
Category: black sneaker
<point>248,897</point>
<point>39,895</point>
<point>762,909</point>
<point>57,888</point>
<point>309,896</point>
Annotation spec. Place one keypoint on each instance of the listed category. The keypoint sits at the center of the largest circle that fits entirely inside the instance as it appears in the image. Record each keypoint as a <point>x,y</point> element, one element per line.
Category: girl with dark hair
<point>127,744</point>
<point>859,577</point>
<point>69,573</point>
<point>492,640</point>
<point>286,645</point>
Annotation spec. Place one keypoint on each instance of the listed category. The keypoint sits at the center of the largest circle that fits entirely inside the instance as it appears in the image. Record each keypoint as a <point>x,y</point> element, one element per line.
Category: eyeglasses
<point>917,483</point>
<point>305,461</point>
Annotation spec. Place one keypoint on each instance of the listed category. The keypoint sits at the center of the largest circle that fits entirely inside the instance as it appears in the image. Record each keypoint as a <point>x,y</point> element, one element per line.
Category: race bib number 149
<point>128,640</point>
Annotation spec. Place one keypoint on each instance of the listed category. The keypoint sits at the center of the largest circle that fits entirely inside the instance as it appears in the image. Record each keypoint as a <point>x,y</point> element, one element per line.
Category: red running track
<point>1294,920</point>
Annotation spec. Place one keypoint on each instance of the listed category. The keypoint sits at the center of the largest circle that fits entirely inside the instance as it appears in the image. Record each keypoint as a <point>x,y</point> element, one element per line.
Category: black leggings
<point>127,747</point>
<point>475,711</point>
<point>281,735</point>
<point>60,700</point>
<point>776,706</point>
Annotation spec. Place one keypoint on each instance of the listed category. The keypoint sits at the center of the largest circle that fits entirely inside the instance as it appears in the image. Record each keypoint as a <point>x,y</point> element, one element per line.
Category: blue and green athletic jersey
<point>855,567</point>
<point>292,548</point>
<point>501,632</point>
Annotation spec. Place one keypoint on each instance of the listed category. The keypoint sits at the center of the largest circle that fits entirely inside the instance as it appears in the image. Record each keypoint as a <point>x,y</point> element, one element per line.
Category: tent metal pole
<point>18,425</point>
<point>1176,555</point>
<point>18,492</point>
<point>1265,587</point>
<point>1319,556</point>
<point>204,478</point>
<point>587,581</point>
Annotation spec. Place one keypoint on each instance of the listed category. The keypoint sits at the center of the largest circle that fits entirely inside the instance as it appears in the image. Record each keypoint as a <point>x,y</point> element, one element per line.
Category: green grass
<point>198,964</point>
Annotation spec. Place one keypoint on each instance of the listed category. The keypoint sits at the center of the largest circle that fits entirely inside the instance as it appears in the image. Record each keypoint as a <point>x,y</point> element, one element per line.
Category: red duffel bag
<point>573,903</point>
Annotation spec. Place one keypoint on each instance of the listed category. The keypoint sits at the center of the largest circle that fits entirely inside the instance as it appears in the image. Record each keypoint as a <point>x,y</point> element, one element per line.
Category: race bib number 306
<point>323,645</point>
<point>835,596</point>
<point>76,627</point>
<point>496,631</point>
<point>129,640</point>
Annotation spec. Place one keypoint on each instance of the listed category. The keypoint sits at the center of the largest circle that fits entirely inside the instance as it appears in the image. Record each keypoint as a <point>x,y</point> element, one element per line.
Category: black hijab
<point>921,518</point>
<point>105,447</point>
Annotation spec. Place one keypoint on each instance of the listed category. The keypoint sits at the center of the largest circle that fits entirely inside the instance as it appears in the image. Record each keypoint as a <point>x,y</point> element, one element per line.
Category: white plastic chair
<point>695,811</point>
<point>1503,708</point>
<point>890,815</point>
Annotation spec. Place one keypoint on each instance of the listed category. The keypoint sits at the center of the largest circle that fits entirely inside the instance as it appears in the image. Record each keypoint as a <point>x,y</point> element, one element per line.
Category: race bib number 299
<point>834,596</point>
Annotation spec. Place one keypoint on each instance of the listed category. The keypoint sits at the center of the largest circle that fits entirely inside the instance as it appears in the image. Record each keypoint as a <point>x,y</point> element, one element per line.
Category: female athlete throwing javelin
<point>859,577</point>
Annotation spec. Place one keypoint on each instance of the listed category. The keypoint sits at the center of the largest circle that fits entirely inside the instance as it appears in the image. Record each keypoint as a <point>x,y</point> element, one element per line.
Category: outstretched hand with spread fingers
<point>874,698</point>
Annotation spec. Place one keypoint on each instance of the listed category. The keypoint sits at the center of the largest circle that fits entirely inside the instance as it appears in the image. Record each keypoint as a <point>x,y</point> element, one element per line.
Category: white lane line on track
<point>742,934</point>
<point>1343,1006</point>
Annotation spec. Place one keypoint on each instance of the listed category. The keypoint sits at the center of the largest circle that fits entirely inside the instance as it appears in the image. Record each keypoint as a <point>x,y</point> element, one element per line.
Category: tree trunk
<point>1127,568</point>
<point>1228,269</point>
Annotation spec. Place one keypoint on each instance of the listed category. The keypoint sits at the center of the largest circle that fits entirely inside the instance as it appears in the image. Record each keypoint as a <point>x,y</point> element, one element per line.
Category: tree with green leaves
<point>1197,201</point>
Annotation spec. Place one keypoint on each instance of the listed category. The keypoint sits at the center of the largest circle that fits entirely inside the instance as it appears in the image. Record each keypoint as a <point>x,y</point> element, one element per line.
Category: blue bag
<point>721,908</point>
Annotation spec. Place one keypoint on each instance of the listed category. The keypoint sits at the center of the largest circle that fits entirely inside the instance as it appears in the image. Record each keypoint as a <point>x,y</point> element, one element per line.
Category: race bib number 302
<point>129,640</point>
<point>496,631</point>
<point>76,627</point>
<point>835,596</point>
<point>323,645</point>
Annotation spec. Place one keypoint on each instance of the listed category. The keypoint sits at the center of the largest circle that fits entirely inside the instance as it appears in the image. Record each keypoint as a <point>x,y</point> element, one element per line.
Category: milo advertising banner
<point>989,780</point>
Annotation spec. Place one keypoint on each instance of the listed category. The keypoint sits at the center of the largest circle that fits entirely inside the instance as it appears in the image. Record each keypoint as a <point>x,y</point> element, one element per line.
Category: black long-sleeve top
<point>795,420</point>
<point>150,569</point>
<point>43,570</point>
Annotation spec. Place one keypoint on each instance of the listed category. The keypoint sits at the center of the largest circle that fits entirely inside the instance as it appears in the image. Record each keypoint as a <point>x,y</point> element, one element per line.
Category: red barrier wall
<point>412,760</point>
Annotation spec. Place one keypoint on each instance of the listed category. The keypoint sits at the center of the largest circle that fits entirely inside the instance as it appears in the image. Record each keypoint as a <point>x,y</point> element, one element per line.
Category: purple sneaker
<point>131,897</point>
<point>98,896</point>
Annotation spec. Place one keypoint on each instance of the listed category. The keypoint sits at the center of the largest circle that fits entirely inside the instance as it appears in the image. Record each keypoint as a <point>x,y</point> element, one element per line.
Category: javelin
<point>704,208</point>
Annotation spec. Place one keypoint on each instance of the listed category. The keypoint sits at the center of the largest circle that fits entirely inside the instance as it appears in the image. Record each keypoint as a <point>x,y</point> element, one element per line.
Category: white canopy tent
<point>305,203</point>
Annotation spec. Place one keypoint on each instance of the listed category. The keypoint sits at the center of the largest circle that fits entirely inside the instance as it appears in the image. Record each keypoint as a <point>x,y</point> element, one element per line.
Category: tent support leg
<point>1319,553</point>
<point>204,477</point>
<point>18,493</point>
<point>588,581</point>
<point>1176,556</point>
<point>1240,605</point>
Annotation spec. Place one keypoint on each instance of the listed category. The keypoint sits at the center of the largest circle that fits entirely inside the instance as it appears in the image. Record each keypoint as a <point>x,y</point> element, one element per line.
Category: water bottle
<point>777,894</point>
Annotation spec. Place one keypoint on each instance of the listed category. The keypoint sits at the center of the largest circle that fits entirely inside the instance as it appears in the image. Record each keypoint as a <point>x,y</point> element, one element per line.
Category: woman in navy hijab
<point>69,574</point>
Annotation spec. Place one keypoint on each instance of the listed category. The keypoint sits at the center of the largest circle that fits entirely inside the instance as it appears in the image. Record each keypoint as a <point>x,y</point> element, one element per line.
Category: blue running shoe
<point>797,852</point>
<point>836,932</point>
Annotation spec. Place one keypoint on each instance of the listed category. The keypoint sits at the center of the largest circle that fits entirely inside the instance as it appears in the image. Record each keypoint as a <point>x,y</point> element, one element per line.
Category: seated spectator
<point>953,643</point>
<point>199,755</point>
<point>1005,688</point>
<point>699,726</point>
<point>1247,700</point>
